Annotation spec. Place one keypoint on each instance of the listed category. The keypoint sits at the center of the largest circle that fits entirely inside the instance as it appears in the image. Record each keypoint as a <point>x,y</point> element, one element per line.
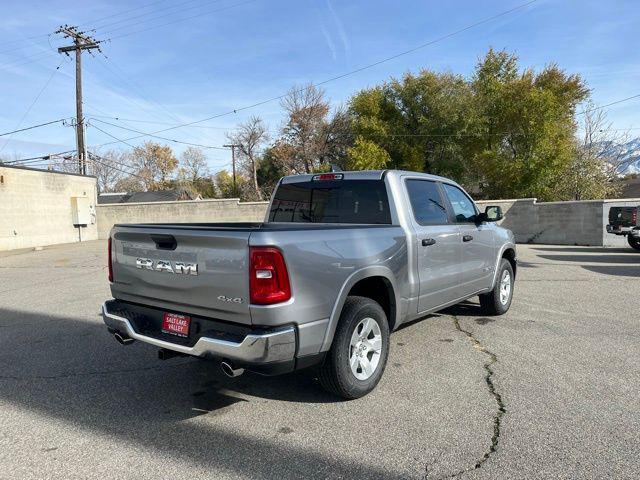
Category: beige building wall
<point>37,208</point>
<point>198,211</point>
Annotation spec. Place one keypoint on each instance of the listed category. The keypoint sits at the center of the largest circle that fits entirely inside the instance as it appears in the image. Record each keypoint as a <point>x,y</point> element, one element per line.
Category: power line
<point>108,134</point>
<point>23,60</point>
<point>149,16</point>
<point>184,19</point>
<point>127,79</point>
<point>609,104</point>
<point>19,124</point>
<point>352,72</point>
<point>40,159</point>
<point>137,87</point>
<point>97,20</point>
<point>120,119</point>
<point>11,42</point>
<point>93,156</point>
<point>144,134</point>
<point>121,91</point>
<point>34,126</point>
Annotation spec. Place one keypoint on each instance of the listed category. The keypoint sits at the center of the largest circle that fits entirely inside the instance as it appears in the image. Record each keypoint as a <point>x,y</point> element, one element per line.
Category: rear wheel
<point>358,356</point>
<point>498,300</point>
<point>634,242</point>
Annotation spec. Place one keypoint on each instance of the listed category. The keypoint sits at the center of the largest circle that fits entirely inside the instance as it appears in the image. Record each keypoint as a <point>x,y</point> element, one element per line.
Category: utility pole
<point>81,42</point>
<point>233,147</point>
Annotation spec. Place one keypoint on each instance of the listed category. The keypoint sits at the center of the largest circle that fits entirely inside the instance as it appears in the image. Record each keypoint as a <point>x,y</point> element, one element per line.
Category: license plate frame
<point>176,324</point>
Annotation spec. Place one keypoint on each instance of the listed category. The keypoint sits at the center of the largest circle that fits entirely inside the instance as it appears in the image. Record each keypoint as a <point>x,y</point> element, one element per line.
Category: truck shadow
<point>70,369</point>
<point>569,249</point>
<point>619,259</point>
<point>616,271</point>
<point>467,308</point>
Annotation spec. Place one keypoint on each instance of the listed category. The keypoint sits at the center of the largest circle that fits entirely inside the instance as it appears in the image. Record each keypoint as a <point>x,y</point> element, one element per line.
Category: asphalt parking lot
<point>550,390</point>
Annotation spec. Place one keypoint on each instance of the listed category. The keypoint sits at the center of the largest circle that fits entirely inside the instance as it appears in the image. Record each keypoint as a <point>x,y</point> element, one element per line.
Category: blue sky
<point>171,62</point>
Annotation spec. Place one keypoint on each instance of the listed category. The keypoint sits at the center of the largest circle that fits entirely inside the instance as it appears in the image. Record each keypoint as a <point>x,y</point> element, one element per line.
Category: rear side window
<point>331,201</point>
<point>426,202</point>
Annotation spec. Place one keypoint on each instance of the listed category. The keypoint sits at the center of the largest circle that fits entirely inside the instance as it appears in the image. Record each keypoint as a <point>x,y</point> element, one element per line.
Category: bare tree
<point>337,138</point>
<point>109,168</point>
<point>306,109</point>
<point>250,137</point>
<point>193,165</point>
<point>596,160</point>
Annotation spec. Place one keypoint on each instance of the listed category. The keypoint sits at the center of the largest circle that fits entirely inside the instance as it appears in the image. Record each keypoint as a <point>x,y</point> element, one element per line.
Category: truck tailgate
<point>201,271</point>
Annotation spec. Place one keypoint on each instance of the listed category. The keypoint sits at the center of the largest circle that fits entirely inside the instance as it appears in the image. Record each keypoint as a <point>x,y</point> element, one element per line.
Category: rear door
<point>438,244</point>
<point>202,271</point>
<point>477,242</point>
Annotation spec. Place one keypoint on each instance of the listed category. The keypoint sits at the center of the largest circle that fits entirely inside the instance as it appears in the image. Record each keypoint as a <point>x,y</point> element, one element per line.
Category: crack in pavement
<point>501,410</point>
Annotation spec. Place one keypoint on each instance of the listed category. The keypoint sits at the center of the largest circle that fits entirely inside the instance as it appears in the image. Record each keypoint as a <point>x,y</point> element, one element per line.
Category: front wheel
<point>634,242</point>
<point>358,356</point>
<point>498,300</point>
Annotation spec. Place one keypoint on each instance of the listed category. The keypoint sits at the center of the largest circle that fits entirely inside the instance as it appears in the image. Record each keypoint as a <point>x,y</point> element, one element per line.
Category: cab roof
<point>364,175</point>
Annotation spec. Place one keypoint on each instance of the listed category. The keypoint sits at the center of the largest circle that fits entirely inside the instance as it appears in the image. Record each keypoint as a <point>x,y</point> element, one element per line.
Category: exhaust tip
<point>123,339</point>
<point>229,371</point>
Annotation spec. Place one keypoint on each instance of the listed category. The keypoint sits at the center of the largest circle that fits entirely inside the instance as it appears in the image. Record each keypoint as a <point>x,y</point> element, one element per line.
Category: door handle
<point>467,238</point>
<point>428,241</point>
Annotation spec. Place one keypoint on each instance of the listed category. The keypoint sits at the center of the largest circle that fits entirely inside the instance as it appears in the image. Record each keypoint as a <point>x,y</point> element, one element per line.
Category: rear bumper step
<point>277,345</point>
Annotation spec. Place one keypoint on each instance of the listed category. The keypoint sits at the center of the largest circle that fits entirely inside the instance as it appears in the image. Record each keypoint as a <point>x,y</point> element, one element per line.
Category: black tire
<point>335,374</point>
<point>491,302</point>
<point>633,242</point>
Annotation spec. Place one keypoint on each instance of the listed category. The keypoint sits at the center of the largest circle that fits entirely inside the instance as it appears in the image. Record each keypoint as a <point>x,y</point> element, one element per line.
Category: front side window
<point>426,202</point>
<point>463,208</point>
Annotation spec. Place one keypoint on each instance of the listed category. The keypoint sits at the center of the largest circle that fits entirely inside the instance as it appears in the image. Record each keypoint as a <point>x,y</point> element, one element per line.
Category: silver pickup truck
<point>341,260</point>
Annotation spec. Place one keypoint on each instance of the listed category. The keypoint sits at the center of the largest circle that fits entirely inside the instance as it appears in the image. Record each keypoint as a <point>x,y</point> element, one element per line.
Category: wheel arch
<point>377,283</point>
<point>508,251</point>
<point>510,254</point>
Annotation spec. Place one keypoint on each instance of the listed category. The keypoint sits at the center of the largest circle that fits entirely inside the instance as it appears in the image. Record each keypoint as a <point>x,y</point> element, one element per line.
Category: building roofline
<point>42,170</point>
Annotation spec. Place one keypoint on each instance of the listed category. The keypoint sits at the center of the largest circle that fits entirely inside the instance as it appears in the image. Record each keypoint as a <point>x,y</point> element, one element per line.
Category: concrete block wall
<point>555,223</point>
<point>36,207</point>
<point>36,210</point>
<point>200,211</point>
<point>560,223</point>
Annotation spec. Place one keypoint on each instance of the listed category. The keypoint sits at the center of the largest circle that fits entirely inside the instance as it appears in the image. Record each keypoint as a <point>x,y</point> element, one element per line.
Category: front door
<point>477,241</point>
<point>438,245</point>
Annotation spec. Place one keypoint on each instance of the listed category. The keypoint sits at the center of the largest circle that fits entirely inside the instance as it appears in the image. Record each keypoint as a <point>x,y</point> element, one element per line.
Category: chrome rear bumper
<point>277,345</point>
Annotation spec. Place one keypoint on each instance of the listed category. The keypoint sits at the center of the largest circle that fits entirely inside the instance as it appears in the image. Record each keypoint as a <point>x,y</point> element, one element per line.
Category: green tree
<point>420,121</point>
<point>223,181</point>
<point>367,155</point>
<point>502,132</point>
<point>526,127</point>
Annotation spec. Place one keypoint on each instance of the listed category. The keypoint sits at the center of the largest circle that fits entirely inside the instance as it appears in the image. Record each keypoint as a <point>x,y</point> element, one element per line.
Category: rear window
<point>332,201</point>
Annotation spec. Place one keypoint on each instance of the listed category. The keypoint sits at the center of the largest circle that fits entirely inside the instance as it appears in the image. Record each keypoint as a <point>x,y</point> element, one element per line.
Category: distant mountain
<point>627,156</point>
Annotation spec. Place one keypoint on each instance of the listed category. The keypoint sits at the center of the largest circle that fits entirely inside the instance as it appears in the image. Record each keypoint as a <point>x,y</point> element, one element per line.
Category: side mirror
<point>492,213</point>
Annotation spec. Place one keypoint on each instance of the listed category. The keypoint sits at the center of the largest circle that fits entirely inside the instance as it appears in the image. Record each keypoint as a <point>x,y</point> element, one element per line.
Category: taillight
<point>268,276</point>
<point>634,217</point>
<point>110,261</point>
